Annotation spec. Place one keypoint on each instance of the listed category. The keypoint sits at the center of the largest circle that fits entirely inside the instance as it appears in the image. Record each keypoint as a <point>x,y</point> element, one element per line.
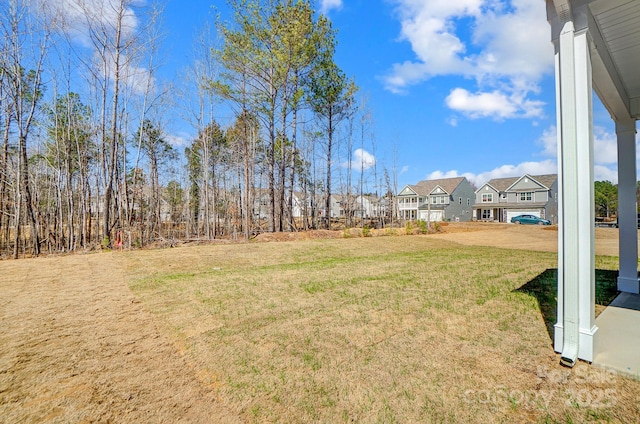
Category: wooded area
<point>87,157</point>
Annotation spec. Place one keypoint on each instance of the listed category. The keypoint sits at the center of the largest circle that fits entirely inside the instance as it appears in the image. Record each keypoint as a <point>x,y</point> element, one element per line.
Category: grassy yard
<point>386,329</point>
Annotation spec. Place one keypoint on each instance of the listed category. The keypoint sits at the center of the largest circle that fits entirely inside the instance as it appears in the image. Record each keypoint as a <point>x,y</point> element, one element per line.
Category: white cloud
<point>603,173</point>
<point>507,52</point>
<point>327,5</point>
<point>180,139</point>
<point>80,18</point>
<point>605,145</point>
<point>138,79</point>
<point>514,43</point>
<point>495,104</point>
<point>361,161</point>
<point>549,142</point>
<point>548,166</point>
<point>76,17</point>
<point>438,175</point>
<point>499,45</point>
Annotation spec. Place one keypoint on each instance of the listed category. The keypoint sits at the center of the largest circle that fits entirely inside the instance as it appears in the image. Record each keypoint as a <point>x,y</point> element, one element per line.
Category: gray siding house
<point>444,199</point>
<point>503,198</point>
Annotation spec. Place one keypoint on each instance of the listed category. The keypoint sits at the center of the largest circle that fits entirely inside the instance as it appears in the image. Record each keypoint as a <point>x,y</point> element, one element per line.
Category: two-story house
<point>503,198</point>
<point>437,200</point>
<point>365,206</point>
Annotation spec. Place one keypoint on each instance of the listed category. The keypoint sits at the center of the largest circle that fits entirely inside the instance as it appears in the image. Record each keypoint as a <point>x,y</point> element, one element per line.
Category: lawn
<point>384,329</point>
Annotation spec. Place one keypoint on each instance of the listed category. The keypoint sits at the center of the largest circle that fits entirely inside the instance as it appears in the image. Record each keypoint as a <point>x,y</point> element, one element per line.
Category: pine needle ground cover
<point>387,329</point>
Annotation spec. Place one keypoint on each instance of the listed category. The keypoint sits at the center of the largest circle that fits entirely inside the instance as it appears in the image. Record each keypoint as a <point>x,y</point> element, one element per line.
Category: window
<point>487,198</point>
<point>526,196</point>
<point>434,200</point>
<point>486,213</point>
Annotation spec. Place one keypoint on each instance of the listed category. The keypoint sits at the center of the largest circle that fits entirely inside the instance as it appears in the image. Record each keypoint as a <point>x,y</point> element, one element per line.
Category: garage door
<point>435,215</point>
<point>511,214</point>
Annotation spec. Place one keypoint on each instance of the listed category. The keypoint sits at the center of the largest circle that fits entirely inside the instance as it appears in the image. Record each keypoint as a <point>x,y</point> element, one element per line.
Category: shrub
<point>408,227</point>
<point>424,229</point>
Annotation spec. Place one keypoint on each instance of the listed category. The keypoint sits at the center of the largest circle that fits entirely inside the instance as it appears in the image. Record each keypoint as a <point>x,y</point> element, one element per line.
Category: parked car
<point>530,219</point>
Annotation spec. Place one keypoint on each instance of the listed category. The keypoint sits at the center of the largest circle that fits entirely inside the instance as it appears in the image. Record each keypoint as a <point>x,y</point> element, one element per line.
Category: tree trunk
<point>26,190</point>
<point>328,188</point>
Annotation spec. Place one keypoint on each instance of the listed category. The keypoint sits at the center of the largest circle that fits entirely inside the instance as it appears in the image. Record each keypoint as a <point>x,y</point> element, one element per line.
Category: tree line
<point>88,159</point>
<point>606,198</point>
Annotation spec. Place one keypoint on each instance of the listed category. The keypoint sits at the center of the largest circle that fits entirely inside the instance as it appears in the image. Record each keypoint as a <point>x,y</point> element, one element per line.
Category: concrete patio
<point>618,342</point>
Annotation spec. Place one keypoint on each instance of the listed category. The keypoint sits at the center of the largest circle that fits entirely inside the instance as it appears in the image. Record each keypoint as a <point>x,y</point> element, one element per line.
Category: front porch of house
<point>597,48</point>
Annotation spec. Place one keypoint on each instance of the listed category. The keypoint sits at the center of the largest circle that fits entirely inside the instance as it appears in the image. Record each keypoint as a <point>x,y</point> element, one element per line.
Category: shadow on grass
<point>544,288</point>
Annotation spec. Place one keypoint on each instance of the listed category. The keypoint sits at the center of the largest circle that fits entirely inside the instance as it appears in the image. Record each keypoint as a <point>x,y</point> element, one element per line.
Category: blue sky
<point>464,87</point>
<point>455,87</point>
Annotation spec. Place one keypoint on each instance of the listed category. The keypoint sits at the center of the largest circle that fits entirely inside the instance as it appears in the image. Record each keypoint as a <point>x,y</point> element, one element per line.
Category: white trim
<point>529,177</point>
<point>485,186</point>
<point>438,190</point>
<point>407,187</point>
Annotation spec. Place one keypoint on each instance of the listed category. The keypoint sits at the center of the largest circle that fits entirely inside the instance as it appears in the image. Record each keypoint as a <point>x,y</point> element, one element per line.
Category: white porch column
<point>585,190</point>
<point>627,207</point>
<point>576,259</point>
<point>558,330</point>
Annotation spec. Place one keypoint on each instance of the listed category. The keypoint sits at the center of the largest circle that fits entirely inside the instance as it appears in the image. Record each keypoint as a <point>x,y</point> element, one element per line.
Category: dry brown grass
<point>376,329</point>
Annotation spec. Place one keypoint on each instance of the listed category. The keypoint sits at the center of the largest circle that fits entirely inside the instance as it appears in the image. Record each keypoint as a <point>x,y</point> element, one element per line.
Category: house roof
<point>425,187</point>
<point>503,184</point>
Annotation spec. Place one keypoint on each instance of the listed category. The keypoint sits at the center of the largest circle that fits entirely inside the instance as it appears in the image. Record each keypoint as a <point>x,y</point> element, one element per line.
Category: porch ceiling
<point>615,26</point>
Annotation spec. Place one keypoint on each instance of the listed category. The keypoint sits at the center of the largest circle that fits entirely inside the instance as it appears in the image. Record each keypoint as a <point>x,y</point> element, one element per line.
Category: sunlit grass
<point>388,329</point>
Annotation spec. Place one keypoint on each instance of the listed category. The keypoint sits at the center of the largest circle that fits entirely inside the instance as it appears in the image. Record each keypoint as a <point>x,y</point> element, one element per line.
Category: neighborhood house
<point>504,198</point>
<point>437,200</point>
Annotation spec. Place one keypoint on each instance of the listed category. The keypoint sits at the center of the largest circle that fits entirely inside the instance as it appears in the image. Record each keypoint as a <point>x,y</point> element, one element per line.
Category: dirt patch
<point>522,237</point>
<point>79,347</point>
<point>298,235</point>
<point>508,236</point>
